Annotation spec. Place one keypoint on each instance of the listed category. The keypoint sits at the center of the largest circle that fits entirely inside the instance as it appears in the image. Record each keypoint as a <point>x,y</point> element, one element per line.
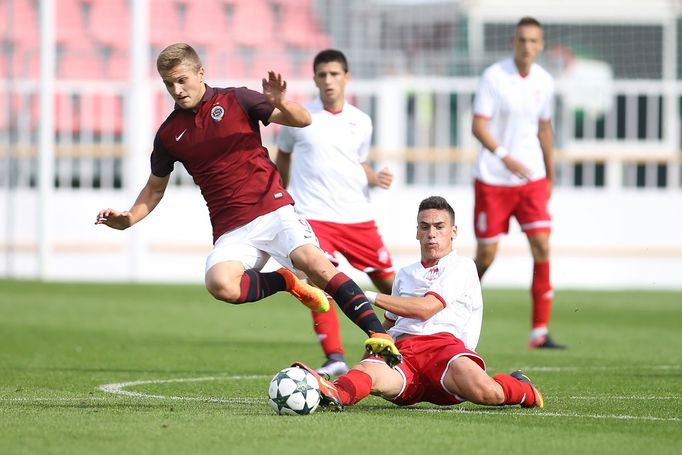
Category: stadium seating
<point>253,24</point>
<point>167,23</point>
<point>302,28</point>
<point>110,23</point>
<point>236,39</point>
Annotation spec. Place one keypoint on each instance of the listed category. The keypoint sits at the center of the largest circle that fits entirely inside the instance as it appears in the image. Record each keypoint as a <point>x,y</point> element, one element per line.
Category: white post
<point>671,125</point>
<point>46,142</point>
<point>390,126</point>
<point>138,116</point>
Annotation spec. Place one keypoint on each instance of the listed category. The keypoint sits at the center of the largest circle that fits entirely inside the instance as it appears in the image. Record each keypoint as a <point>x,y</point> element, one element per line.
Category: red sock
<point>541,292</point>
<point>515,391</point>
<point>353,386</point>
<point>328,330</point>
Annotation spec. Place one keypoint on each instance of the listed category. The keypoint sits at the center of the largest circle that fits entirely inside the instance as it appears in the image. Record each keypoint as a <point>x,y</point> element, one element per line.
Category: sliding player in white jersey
<point>434,314</point>
<point>325,165</point>
<point>514,172</point>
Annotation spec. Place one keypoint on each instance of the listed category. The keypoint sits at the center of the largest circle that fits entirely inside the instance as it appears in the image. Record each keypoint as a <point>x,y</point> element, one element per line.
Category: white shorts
<point>275,234</point>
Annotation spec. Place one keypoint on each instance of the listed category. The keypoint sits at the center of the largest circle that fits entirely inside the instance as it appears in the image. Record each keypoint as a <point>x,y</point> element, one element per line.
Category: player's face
<point>185,84</point>
<point>331,79</point>
<point>435,233</point>
<point>527,44</point>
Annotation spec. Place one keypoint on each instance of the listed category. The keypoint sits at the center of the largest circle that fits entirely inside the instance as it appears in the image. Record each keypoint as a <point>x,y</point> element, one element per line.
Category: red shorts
<point>425,360</point>
<point>495,205</point>
<point>359,243</point>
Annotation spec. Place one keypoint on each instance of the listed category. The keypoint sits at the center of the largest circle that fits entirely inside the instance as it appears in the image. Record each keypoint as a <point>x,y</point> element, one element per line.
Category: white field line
<point>119,389</point>
<point>560,369</point>
<point>555,414</point>
<point>38,399</point>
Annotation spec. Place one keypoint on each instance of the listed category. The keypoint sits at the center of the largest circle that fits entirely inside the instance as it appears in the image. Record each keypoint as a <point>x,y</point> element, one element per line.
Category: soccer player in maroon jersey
<point>214,133</point>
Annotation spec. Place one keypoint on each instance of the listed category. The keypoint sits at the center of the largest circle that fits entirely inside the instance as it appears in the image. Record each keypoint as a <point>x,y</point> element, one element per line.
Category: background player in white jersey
<point>434,314</point>
<point>514,172</point>
<point>325,166</point>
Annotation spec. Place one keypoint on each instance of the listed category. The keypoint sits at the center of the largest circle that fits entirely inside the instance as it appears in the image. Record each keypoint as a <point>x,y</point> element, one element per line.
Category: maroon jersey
<point>221,148</point>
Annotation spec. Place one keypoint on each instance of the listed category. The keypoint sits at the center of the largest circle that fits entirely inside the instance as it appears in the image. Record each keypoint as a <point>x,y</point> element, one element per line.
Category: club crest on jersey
<point>217,113</point>
<point>431,274</point>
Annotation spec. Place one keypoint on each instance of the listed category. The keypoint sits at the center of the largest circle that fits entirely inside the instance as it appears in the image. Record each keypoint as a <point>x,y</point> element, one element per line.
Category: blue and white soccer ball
<point>294,391</point>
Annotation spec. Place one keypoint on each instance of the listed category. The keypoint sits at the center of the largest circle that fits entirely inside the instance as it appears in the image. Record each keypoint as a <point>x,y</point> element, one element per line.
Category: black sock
<point>255,285</point>
<point>353,303</point>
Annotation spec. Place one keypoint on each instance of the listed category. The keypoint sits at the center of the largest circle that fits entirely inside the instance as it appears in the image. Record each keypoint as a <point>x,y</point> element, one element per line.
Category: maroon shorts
<point>495,205</point>
<point>359,243</point>
<point>425,361</point>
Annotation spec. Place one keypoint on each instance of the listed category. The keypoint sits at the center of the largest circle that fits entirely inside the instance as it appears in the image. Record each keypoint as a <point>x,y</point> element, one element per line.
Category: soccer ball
<point>294,391</point>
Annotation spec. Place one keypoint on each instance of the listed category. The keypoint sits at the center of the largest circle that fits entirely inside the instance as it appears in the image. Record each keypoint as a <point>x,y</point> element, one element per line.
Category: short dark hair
<point>438,203</point>
<point>328,56</point>
<point>528,20</point>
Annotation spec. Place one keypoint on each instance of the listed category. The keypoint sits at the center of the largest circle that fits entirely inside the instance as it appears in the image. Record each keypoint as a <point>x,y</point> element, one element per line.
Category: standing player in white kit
<point>514,172</point>
<point>325,165</point>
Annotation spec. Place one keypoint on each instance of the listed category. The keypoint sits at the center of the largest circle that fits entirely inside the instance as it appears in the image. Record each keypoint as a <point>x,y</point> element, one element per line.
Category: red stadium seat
<point>302,28</point>
<point>25,63</point>
<point>108,110</point>
<point>66,121</point>
<point>71,25</point>
<point>230,66</point>
<point>276,61</point>
<point>253,24</point>
<point>110,23</point>
<point>25,23</point>
<point>117,65</point>
<point>167,23</point>
<point>82,63</point>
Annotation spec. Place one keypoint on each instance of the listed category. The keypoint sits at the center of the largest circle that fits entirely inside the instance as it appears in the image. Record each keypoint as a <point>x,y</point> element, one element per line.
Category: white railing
<point>616,225</point>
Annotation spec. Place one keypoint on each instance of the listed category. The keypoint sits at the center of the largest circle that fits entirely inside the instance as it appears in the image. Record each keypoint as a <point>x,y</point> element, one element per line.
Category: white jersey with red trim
<point>514,104</point>
<point>454,281</point>
<point>327,180</point>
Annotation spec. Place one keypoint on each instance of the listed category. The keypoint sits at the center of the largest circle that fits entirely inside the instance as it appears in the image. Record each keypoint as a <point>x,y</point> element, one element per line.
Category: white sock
<point>538,332</point>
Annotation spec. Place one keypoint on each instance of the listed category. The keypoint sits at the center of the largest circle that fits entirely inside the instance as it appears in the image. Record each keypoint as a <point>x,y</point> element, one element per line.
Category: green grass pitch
<point>119,368</point>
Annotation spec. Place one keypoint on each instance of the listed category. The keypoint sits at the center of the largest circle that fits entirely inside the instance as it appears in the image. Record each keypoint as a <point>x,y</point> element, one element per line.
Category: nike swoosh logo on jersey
<point>177,138</point>
<point>359,306</point>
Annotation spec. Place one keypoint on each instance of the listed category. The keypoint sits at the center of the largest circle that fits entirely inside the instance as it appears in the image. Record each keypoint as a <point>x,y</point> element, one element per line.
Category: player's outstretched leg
<point>329,395</point>
<point>383,345</point>
<point>310,296</point>
<point>539,401</point>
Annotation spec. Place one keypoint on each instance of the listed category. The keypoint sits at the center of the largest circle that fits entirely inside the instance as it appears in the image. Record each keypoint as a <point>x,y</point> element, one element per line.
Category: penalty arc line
<point>119,389</point>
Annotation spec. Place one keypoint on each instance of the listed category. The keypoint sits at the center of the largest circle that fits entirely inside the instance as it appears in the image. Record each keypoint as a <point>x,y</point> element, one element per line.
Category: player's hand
<point>517,168</point>
<point>384,178</point>
<point>114,219</point>
<point>274,88</point>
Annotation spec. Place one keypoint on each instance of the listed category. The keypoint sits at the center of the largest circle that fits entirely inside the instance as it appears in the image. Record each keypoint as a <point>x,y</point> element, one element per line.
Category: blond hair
<point>177,54</point>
